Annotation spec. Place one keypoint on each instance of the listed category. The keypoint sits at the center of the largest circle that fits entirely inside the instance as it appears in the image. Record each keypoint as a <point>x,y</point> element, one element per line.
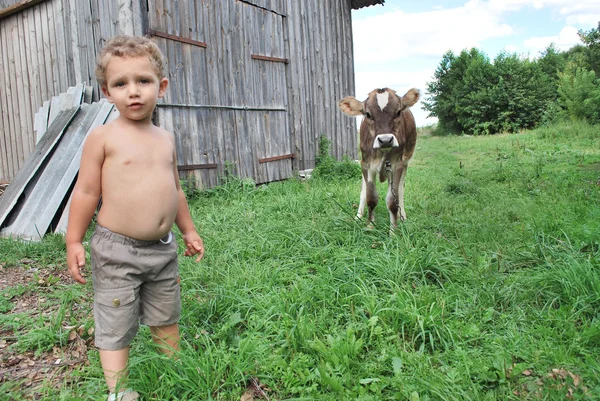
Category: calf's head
<point>381,129</point>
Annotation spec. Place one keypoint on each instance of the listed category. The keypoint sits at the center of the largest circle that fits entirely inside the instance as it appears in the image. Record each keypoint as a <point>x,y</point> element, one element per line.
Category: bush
<point>579,92</point>
<point>326,167</point>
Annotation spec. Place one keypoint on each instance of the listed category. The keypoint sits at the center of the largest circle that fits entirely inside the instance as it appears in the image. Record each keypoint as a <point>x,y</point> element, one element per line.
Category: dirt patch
<point>29,370</point>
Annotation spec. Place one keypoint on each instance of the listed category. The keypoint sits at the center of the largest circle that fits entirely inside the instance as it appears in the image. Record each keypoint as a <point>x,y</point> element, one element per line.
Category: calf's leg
<point>401,191</point>
<point>391,200</point>
<point>368,193</point>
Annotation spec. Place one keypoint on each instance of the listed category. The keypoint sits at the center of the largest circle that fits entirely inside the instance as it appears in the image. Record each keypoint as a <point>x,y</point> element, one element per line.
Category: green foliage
<point>328,168</point>
<point>579,91</point>
<point>471,95</point>
<point>591,40</point>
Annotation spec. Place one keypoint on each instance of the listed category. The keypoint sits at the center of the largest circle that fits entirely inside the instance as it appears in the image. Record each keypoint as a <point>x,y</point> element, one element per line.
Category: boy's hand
<point>193,245</point>
<point>75,261</point>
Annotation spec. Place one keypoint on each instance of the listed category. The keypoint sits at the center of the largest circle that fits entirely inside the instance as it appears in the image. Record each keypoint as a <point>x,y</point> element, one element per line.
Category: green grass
<point>491,284</point>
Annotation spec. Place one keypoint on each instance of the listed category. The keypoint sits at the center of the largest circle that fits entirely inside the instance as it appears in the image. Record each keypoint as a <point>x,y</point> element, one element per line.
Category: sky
<point>399,45</point>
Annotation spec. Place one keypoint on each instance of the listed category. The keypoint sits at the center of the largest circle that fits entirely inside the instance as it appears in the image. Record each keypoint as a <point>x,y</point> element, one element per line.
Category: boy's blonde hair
<point>129,46</point>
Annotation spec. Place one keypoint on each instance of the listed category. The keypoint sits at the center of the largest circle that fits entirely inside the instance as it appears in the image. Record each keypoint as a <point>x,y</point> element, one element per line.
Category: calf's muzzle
<point>385,142</point>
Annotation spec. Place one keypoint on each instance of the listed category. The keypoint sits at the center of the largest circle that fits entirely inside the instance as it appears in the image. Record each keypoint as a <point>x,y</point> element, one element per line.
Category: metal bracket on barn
<point>276,158</point>
<point>209,106</point>
<point>269,58</point>
<point>206,166</point>
<point>177,38</point>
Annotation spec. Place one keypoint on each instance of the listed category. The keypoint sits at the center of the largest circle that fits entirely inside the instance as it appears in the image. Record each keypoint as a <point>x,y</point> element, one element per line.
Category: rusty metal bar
<point>268,58</point>
<point>208,106</point>
<point>207,166</point>
<point>262,8</point>
<point>276,158</point>
<point>177,38</point>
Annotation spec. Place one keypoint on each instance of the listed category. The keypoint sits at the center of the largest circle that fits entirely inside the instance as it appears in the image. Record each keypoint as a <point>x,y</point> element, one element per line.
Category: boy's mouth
<point>135,105</point>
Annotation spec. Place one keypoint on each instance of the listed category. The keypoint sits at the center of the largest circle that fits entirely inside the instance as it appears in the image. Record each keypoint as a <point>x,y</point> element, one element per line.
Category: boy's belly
<point>140,213</point>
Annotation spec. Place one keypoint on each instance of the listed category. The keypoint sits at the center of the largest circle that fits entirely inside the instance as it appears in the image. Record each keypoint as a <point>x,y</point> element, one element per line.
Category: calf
<point>388,135</point>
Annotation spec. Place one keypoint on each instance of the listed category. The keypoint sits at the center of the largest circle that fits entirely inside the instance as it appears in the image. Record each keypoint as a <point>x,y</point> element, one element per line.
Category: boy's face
<point>133,86</point>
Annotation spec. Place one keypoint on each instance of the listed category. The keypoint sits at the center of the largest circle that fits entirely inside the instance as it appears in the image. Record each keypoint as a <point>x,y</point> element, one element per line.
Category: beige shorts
<point>134,282</point>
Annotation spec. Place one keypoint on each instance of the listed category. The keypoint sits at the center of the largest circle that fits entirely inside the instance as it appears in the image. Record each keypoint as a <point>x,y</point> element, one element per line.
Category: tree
<point>448,92</point>
<point>591,39</point>
<point>440,101</point>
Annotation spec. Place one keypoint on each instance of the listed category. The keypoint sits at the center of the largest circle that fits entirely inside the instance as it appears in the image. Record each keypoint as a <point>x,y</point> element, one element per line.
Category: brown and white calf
<point>388,135</point>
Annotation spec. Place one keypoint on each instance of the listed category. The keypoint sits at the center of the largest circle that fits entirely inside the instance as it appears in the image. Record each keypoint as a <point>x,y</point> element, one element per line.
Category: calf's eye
<point>368,115</point>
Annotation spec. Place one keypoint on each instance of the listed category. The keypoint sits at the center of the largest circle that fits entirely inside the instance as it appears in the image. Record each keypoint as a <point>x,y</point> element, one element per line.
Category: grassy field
<point>490,290</point>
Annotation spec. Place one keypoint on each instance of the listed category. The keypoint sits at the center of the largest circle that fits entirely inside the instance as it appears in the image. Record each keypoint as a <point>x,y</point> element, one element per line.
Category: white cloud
<point>583,19</point>
<point>566,39</point>
<point>565,6</point>
<point>398,35</point>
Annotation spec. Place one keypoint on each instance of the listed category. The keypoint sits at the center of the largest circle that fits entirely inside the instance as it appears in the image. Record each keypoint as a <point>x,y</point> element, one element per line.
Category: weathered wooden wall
<point>228,108</point>
<point>45,49</point>
<point>253,83</point>
<point>321,72</point>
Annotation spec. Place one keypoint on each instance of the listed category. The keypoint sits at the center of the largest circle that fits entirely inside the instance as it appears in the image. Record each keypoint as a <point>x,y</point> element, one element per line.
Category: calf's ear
<point>411,97</point>
<point>350,106</point>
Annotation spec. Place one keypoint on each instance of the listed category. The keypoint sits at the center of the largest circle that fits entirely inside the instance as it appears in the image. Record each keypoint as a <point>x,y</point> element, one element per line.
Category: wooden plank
<point>61,48</point>
<point>41,121</point>
<point>20,6</point>
<point>97,36</point>
<point>104,114</point>
<point>88,94</point>
<point>46,145</point>
<point>125,16</point>
<point>34,66</point>
<point>56,105</point>
<point>40,58</point>
<point>15,95</point>
<point>292,29</point>
<point>77,94</point>
<point>54,65</point>
<point>83,44</point>
<point>5,139</point>
<point>73,42</point>
<point>139,16</point>
<point>28,87</point>
<point>41,207</point>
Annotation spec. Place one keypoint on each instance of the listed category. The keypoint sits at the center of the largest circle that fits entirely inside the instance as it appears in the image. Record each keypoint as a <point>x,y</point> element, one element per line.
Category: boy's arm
<point>193,243</point>
<point>84,202</point>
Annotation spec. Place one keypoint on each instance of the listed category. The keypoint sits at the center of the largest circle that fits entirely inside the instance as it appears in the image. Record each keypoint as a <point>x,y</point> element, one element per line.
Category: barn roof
<point>357,4</point>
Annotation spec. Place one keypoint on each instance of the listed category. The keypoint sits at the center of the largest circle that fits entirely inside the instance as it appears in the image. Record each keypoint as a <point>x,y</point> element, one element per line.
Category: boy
<point>132,164</point>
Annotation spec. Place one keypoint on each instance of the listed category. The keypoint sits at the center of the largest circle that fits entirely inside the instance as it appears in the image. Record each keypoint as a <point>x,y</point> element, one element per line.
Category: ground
<point>31,368</point>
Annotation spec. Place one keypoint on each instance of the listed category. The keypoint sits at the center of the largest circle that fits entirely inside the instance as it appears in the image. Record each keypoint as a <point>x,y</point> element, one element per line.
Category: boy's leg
<point>114,364</point>
<point>166,337</point>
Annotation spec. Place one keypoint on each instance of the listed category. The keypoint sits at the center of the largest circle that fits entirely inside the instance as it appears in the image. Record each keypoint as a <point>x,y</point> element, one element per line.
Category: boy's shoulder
<point>97,134</point>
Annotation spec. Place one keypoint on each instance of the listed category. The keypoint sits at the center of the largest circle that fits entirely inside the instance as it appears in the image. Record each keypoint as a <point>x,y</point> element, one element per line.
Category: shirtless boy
<point>131,163</point>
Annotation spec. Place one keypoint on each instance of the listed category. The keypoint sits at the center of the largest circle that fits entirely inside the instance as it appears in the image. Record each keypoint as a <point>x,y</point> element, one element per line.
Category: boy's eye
<point>119,84</point>
<point>144,81</point>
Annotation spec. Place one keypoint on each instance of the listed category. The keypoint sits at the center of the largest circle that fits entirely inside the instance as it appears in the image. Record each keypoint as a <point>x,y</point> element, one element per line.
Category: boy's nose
<point>134,90</point>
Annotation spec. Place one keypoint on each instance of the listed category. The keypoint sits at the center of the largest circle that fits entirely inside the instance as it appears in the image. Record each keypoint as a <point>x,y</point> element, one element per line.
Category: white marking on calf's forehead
<point>382,99</point>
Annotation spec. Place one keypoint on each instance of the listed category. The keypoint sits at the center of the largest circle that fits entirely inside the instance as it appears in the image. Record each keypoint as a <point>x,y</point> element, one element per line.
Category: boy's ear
<point>106,93</point>
<point>162,89</point>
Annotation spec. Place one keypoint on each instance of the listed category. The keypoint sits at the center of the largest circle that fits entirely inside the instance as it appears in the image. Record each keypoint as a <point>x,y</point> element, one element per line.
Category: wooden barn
<point>253,85</point>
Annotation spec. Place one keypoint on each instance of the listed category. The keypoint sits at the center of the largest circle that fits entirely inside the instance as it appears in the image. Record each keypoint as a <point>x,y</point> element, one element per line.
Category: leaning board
<point>36,159</point>
<point>45,200</point>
